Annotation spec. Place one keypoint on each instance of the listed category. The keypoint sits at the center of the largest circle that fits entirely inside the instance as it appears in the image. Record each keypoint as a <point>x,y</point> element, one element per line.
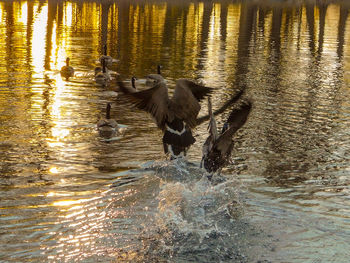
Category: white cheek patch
<point>174,131</point>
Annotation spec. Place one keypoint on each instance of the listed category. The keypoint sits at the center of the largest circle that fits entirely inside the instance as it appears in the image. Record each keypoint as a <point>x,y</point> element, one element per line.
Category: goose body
<point>102,76</point>
<point>67,71</point>
<point>108,59</point>
<point>107,127</point>
<point>218,147</point>
<point>175,116</point>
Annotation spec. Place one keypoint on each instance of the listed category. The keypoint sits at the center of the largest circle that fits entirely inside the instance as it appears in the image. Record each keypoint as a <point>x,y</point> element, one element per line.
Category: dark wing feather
<point>154,101</point>
<point>236,120</point>
<point>198,91</point>
<point>222,108</point>
<point>185,102</point>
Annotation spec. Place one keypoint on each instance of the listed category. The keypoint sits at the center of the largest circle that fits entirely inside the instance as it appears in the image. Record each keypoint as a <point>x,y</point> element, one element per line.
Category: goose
<point>67,71</point>
<point>218,147</point>
<point>133,80</point>
<point>107,127</point>
<point>175,116</point>
<point>97,70</point>
<point>102,77</point>
<point>108,59</point>
<point>159,67</point>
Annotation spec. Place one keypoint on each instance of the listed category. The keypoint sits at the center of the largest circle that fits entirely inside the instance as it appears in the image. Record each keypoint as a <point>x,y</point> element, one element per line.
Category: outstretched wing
<point>185,102</point>
<point>236,120</point>
<point>198,91</point>
<point>154,101</point>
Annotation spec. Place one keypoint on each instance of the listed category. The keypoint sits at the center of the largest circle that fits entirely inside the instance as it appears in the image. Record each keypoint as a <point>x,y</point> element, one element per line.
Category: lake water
<point>68,195</point>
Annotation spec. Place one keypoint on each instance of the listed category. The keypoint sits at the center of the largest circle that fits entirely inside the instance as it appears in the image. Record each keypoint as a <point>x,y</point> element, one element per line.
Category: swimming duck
<point>107,127</point>
<point>108,59</point>
<point>218,147</point>
<point>175,116</point>
<point>102,77</point>
<point>67,71</point>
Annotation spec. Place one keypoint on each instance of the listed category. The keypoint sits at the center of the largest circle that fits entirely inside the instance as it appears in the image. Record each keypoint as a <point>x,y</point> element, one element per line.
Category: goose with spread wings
<point>218,147</point>
<point>175,116</point>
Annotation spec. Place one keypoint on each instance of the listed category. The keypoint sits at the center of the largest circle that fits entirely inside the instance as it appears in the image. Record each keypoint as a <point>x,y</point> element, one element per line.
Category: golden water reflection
<point>294,61</point>
<point>52,30</point>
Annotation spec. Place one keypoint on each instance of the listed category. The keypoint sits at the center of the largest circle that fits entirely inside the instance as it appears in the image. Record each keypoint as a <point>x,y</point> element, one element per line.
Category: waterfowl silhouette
<point>175,116</point>
<point>67,71</point>
<point>133,80</point>
<point>108,59</point>
<point>102,77</point>
<point>218,147</point>
<point>97,70</point>
<point>107,127</point>
<point>159,67</point>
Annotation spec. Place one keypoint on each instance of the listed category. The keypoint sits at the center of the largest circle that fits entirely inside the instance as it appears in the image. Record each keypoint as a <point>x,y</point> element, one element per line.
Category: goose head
<point>159,67</point>
<point>154,79</point>
<point>133,79</point>
<point>67,62</point>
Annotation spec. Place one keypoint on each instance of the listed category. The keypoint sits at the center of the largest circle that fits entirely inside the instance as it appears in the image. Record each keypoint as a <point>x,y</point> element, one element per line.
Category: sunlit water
<point>66,194</point>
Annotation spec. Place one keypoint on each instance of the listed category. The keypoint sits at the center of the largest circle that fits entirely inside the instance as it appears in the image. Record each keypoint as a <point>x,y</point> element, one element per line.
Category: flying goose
<point>67,71</point>
<point>175,116</point>
<point>218,147</point>
<point>108,59</point>
<point>107,127</point>
<point>102,77</point>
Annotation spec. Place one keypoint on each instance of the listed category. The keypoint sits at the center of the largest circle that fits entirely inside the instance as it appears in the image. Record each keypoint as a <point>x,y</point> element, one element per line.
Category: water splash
<point>196,220</point>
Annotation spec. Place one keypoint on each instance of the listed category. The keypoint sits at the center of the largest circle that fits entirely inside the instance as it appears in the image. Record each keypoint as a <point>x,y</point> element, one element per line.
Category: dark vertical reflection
<point>208,8</point>
<point>273,71</point>
<point>275,43</point>
<point>299,14</point>
<point>344,12</point>
<point>124,46</point>
<point>223,21</point>
<point>261,21</point>
<point>59,13</point>
<point>104,25</point>
<point>246,24</point>
<point>310,17</point>
<point>9,40</point>
<point>322,22</point>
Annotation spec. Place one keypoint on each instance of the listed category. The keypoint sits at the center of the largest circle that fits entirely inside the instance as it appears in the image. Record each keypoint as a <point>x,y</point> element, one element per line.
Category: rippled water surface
<point>67,194</point>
